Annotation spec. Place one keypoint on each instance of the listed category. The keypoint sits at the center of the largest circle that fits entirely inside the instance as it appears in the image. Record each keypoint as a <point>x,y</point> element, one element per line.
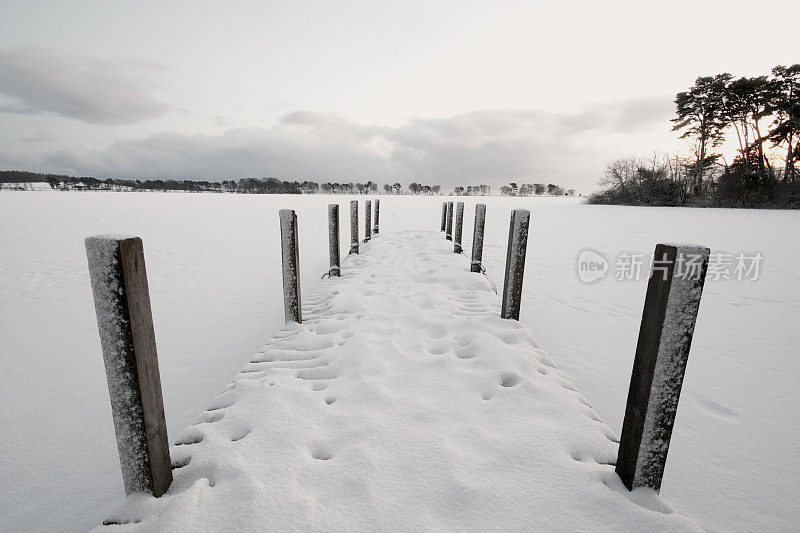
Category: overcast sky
<point>438,92</point>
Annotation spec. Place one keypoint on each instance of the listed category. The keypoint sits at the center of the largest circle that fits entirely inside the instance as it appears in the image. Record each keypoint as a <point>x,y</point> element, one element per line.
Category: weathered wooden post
<point>444,215</point>
<point>459,227</point>
<point>375,230</point>
<point>448,233</point>
<point>354,226</point>
<point>367,220</point>
<point>477,238</point>
<point>665,336</point>
<point>291,266</point>
<point>333,239</point>
<point>515,263</point>
<point>124,319</point>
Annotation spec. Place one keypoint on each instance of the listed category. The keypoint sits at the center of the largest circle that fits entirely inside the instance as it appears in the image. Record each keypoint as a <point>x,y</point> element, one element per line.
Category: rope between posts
<point>483,271</point>
<point>330,272</point>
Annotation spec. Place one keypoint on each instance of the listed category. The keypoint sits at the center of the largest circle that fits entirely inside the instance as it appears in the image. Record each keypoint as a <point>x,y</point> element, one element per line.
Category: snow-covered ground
<point>214,268</point>
<point>26,186</point>
<point>402,403</point>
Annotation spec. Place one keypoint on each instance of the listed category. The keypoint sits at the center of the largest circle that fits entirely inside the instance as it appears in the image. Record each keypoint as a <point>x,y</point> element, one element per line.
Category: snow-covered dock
<point>402,402</point>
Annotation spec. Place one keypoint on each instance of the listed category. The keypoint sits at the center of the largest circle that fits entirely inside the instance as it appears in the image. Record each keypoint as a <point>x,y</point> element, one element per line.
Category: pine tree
<point>701,114</point>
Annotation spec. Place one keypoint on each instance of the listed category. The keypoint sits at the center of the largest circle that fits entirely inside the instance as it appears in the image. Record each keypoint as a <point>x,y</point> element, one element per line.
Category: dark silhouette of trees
<point>786,124</point>
<point>528,189</point>
<point>762,112</point>
<point>701,115</point>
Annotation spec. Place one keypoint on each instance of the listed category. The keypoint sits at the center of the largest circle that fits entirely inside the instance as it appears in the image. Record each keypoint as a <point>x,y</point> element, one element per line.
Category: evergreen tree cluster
<point>762,115</point>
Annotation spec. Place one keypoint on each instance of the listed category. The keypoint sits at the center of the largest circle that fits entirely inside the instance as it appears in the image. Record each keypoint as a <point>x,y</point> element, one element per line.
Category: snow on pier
<point>402,402</point>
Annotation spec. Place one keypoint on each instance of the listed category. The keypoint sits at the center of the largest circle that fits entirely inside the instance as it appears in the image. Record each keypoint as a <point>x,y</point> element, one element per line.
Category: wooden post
<point>665,336</point>
<point>477,238</point>
<point>444,215</point>
<point>367,220</point>
<point>333,239</point>
<point>459,227</point>
<point>515,263</point>
<point>377,216</point>
<point>354,226</point>
<point>291,267</point>
<point>122,304</point>
<point>448,233</point>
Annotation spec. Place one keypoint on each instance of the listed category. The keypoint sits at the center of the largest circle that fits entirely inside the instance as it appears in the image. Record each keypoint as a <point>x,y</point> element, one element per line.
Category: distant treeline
<point>535,189</point>
<point>512,189</point>
<point>244,185</point>
<point>268,186</point>
<point>762,114</point>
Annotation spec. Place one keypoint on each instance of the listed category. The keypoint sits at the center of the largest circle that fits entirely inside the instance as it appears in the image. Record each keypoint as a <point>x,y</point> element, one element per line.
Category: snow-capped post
<point>477,238</point>
<point>665,336</point>
<point>448,233</point>
<point>333,239</point>
<point>377,216</point>
<point>515,263</point>
<point>444,215</point>
<point>291,266</point>
<point>124,319</point>
<point>354,226</point>
<point>459,227</point>
<point>367,220</point>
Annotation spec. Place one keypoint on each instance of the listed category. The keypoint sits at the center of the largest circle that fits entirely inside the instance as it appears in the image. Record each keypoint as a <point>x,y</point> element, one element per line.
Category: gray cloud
<point>494,145</point>
<point>95,91</point>
<point>487,146</point>
<point>40,137</point>
<point>290,150</point>
<point>638,114</point>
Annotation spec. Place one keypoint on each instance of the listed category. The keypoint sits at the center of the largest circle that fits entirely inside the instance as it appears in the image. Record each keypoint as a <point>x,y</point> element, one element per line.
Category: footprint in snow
<point>509,379</point>
<point>239,433</point>
<point>190,436</point>
<point>321,452</point>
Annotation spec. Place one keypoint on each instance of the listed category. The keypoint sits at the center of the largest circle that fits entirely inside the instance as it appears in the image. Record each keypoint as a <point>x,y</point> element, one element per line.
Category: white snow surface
<point>404,403</point>
<point>213,265</point>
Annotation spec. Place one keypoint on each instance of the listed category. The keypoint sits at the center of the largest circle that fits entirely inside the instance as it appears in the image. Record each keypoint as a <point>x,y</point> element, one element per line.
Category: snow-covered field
<point>214,269</point>
<point>347,422</point>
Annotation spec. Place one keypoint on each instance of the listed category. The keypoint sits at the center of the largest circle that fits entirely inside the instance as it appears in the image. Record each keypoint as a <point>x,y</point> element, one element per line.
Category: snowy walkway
<point>403,402</point>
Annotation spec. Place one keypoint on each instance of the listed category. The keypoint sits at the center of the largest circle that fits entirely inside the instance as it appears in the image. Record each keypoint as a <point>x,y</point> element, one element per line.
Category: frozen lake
<point>214,270</point>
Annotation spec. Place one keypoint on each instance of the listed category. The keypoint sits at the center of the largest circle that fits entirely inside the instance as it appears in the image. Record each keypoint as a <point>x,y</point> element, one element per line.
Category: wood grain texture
<point>354,226</point>
<point>376,229</point>
<point>515,263</point>
<point>449,227</point>
<point>333,240</point>
<point>367,220</point>
<point>477,238</point>
<point>122,303</point>
<point>459,225</point>
<point>290,254</point>
<point>662,351</point>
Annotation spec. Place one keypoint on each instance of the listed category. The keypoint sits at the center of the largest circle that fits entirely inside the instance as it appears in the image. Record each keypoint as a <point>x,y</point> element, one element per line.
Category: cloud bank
<point>486,146</point>
<point>106,92</point>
